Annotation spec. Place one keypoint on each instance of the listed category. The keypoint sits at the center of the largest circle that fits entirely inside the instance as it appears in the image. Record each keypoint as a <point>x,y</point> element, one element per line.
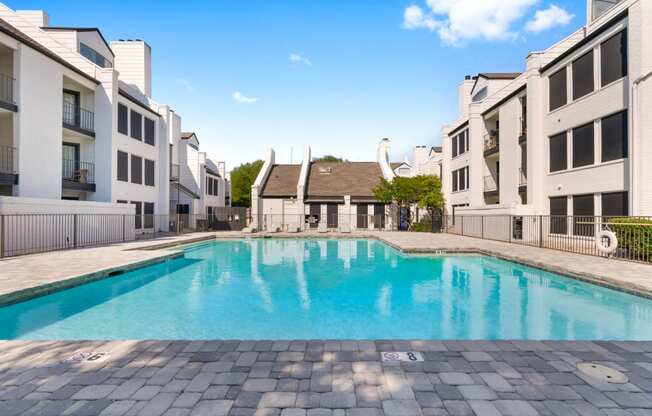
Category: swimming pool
<point>329,289</point>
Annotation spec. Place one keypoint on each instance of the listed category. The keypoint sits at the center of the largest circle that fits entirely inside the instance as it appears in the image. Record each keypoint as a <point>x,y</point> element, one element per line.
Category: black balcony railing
<point>77,171</point>
<point>8,160</point>
<point>491,143</point>
<point>7,89</point>
<point>78,118</point>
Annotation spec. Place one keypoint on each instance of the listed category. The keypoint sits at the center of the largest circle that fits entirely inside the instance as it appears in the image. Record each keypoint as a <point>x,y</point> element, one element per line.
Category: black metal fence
<point>75,116</point>
<point>8,160</point>
<point>626,238</point>
<point>7,89</point>
<point>22,234</point>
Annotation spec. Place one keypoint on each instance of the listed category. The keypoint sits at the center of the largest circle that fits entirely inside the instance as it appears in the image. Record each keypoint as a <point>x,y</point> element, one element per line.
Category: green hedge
<point>634,235</point>
<point>421,227</point>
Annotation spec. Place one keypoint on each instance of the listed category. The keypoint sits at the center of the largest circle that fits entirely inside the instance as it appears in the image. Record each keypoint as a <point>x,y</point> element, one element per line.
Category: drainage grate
<point>603,373</point>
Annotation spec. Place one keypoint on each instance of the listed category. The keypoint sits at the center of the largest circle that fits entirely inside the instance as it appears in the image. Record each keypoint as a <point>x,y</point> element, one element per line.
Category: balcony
<point>78,175</point>
<point>8,165</point>
<point>490,184</point>
<point>522,179</point>
<point>78,119</point>
<point>174,172</point>
<point>7,93</point>
<point>491,143</point>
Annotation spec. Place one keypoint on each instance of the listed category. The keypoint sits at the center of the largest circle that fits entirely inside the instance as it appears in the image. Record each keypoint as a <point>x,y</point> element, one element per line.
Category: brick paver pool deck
<point>323,378</point>
<point>319,378</point>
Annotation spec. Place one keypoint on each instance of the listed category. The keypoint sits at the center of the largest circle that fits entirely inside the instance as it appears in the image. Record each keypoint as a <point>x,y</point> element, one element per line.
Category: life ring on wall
<point>606,242</point>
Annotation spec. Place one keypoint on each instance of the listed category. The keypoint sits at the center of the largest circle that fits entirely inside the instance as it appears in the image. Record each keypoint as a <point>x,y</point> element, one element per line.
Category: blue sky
<point>365,69</point>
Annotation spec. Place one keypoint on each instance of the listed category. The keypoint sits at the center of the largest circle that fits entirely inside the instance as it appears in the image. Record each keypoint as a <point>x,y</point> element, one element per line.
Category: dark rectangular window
<point>583,215</point>
<point>136,125</point>
<point>613,58</point>
<point>136,169</point>
<point>558,215</point>
<point>467,177</point>
<point>149,172</point>
<point>454,146</point>
<point>216,189</point>
<point>462,179</point>
<point>123,115</point>
<point>583,75</point>
<point>455,187</point>
<point>614,137</point>
<point>123,166</point>
<point>557,89</point>
<point>138,222</point>
<point>615,204</point>
<point>121,201</point>
<point>148,211</point>
<point>558,153</point>
<point>461,143</point>
<point>93,56</point>
<point>583,146</point>
<point>149,131</point>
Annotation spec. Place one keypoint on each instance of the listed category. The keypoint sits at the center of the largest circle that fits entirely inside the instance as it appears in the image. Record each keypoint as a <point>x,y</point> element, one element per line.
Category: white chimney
<point>383,159</point>
<point>37,18</point>
<point>133,60</point>
<point>464,100</point>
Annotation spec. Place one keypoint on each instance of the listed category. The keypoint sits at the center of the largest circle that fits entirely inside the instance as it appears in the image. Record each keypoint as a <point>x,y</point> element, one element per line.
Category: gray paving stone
<point>215,393</point>
<point>402,408</point>
<point>515,408</point>
<point>627,399</point>
<point>559,392</point>
<point>259,384</point>
<point>126,389</point>
<point>278,399</point>
<point>93,392</point>
<point>483,408</point>
<point>158,405</point>
<point>187,400</point>
<point>293,412</point>
<point>477,392</point>
<point>118,408</point>
<point>337,400</point>
<point>90,408</point>
<point>248,399</point>
<point>370,411</point>
<point>428,399</point>
<point>320,412</point>
<point>146,393</point>
<point>212,408</point>
<point>496,382</point>
<point>458,408</point>
<point>455,379</point>
<point>229,379</point>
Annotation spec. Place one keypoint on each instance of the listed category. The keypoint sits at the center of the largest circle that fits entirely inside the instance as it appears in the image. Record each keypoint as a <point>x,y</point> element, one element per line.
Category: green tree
<point>423,190</point>
<point>430,195</point>
<point>329,158</point>
<point>242,178</point>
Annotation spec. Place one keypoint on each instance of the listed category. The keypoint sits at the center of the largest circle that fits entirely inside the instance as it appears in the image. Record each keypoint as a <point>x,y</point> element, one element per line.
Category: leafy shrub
<point>634,235</point>
<point>421,227</point>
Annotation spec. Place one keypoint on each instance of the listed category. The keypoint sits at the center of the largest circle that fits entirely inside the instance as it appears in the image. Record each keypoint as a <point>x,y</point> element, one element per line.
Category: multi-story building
<point>569,135</point>
<point>198,183</point>
<point>78,123</point>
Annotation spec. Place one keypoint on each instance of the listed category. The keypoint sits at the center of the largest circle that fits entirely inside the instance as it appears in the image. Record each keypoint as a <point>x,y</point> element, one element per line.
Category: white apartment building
<point>198,183</point>
<point>78,123</point>
<point>568,136</point>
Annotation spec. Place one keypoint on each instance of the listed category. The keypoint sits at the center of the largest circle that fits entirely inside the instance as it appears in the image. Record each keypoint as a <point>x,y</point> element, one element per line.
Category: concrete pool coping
<point>18,283</point>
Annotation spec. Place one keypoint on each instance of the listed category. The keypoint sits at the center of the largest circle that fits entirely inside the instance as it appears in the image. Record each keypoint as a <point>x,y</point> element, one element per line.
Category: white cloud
<point>239,97</point>
<point>295,58</point>
<point>548,18</point>
<point>414,18</point>
<point>187,85</point>
<point>458,21</point>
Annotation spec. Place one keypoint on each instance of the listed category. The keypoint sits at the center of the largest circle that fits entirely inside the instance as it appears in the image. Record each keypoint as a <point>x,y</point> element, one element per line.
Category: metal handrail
<point>491,141</point>
<point>8,160</point>
<point>76,116</point>
<point>7,88</point>
<point>78,171</point>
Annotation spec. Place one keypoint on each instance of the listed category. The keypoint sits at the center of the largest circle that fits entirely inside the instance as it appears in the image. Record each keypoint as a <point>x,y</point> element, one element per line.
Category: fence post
<point>124,232</point>
<point>482,226</point>
<point>178,222</point>
<point>74,244</point>
<point>509,226</point>
<point>2,236</point>
<point>462,217</point>
<point>540,231</point>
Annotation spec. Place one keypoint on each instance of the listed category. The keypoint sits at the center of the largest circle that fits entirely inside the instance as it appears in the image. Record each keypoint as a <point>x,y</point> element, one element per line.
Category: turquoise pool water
<point>329,289</point>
